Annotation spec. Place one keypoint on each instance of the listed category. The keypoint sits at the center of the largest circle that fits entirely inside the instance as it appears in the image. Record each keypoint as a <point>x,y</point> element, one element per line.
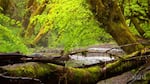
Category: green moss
<point>87,75</point>
<point>147,76</point>
<point>10,42</point>
<point>119,64</point>
<point>78,76</point>
<point>94,72</point>
<point>29,69</point>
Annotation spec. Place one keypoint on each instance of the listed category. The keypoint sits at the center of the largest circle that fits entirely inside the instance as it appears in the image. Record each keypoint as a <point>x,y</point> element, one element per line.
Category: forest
<point>75,41</point>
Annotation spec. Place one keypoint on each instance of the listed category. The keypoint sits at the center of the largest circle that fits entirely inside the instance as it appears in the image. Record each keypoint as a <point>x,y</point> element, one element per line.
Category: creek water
<point>93,57</point>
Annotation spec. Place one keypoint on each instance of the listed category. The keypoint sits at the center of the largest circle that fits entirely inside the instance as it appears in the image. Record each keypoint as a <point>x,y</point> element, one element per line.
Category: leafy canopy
<point>139,10</point>
<point>73,24</point>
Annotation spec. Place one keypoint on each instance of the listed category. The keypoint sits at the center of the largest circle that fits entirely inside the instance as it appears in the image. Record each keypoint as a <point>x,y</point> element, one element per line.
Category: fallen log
<point>55,74</point>
<point>12,58</point>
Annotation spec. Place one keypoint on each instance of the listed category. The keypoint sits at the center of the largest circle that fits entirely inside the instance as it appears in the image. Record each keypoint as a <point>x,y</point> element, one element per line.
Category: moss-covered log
<point>55,74</point>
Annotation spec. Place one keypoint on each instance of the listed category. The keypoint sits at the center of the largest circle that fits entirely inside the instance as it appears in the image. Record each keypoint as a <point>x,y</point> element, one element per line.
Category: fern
<point>9,42</point>
<point>9,35</point>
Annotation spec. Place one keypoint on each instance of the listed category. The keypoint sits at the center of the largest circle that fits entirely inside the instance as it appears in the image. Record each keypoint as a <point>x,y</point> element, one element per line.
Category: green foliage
<point>132,27</point>
<point>11,24</point>
<point>1,9</point>
<point>8,22</point>
<point>147,29</point>
<point>138,9</point>
<point>9,35</point>
<point>9,42</point>
<point>20,4</point>
<point>73,24</point>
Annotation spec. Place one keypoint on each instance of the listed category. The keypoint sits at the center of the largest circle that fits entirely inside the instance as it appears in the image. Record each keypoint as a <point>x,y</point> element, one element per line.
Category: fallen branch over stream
<point>12,58</point>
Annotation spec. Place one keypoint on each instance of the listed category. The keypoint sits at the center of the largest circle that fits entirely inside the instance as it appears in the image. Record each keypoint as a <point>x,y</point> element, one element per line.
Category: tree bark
<point>122,6</point>
<point>30,28</point>
<point>109,14</point>
<point>43,31</point>
<point>137,26</point>
<point>8,7</point>
<point>149,9</point>
<point>3,5</point>
<point>31,5</point>
<point>55,74</point>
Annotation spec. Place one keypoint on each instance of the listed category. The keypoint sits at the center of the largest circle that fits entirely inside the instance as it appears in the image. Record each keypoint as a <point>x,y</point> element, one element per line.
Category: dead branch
<point>12,58</point>
<point>18,80</point>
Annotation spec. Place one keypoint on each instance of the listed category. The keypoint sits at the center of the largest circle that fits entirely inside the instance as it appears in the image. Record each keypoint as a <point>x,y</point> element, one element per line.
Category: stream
<point>93,57</point>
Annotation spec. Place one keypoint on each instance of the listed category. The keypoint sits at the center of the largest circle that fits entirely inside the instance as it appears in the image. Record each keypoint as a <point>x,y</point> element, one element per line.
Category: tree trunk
<point>122,6</point>
<point>55,74</point>
<point>109,15</point>
<point>31,25</point>
<point>149,9</point>
<point>31,5</point>
<point>137,26</point>
<point>8,7</point>
<point>43,31</point>
<point>4,5</point>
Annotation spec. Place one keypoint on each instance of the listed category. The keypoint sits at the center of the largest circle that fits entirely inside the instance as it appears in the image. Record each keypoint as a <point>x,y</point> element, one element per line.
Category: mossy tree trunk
<point>43,31</point>
<point>8,7</point>
<point>122,3</point>
<point>109,15</point>
<point>137,26</point>
<point>149,10</point>
<point>5,5</point>
<point>30,28</point>
<point>30,7</point>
